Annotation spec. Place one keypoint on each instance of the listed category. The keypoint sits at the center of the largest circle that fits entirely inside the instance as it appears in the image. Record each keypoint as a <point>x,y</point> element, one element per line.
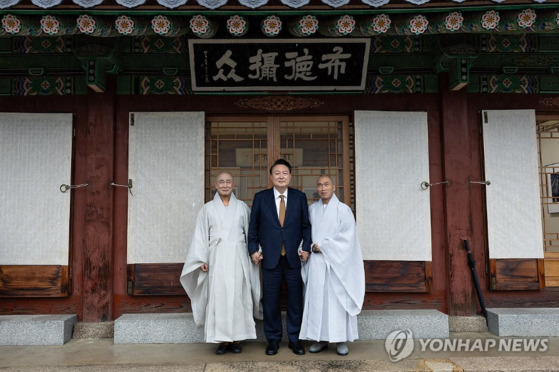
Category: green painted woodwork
<point>5,87</point>
<point>485,49</point>
<point>514,63</point>
<point>534,18</point>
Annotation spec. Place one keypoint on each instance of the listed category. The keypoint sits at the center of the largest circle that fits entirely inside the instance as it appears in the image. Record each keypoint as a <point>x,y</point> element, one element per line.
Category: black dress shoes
<point>236,348</point>
<point>272,348</point>
<point>222,349</point>
<point>297,348</point>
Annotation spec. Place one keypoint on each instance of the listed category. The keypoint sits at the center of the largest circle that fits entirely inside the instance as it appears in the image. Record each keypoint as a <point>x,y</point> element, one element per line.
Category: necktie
<point>282,218</point>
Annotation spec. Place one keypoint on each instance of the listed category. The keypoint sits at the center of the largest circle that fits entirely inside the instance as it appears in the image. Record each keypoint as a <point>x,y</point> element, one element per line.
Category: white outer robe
<point>226,298</point>
<point>335,278</point>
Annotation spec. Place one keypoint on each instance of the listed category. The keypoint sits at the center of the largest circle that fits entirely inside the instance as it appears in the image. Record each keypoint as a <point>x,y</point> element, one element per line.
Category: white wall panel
<point>166,165</point>
<point>513,198</point>
<point>35,159</point>
<point>391,161</point>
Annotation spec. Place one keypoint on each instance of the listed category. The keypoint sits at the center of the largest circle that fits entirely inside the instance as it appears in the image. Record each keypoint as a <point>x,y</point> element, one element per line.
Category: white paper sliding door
<point>35,159</point>
<point>513,197</point>
<point>391,161</point>
<point>166,165</point>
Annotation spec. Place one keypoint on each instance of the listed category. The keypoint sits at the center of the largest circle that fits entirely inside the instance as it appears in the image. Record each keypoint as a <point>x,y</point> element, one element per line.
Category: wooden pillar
<point>98,239</point>
<point>457,136</point>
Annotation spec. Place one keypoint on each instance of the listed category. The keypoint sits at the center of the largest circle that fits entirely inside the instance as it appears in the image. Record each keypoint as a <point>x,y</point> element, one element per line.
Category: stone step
<point>180,327</point>
<point>153,328</point>
<point>378,324</point>
<point>36,329</point>
<point>536,322</point>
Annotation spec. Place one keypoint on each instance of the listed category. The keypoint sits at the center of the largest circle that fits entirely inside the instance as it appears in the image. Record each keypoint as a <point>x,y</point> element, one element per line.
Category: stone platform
<point>180,327</point>
<point>378,324</point>
<point>36,329</point>
<point>536,322</point>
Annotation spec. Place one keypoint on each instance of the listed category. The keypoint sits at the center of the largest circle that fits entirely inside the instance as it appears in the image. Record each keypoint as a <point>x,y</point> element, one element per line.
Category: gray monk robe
<point>335,278</point>
<point>226,298</point>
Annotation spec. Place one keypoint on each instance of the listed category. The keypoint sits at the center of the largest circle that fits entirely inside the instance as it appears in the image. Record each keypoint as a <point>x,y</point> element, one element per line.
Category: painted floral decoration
<point>345,25</point>
<point>236,25</point>
<point>381,23</point>
<point>454,21</point>
<point>490,20</point>
<point>124,25</point>
<point>526,18</point>
<point>159,84</point>
<point>49,25</point>
<point>199,25</point>
<point>557,19</point>
<point>86,24</point>
<point>418,24</point>
<point>161,25</point>
<point>11,24</point>
<point>272,25</point>
<point>308,24</point>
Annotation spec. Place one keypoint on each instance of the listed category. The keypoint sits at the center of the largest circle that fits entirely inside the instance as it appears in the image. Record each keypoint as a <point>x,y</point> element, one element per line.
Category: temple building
<point>437,120</point>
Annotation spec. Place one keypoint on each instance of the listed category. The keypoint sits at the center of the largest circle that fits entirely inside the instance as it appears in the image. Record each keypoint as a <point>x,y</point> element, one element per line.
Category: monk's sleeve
<point>342,251</point>
<point>254,275</point>
<point>254,225</point>
<point>194,280</point>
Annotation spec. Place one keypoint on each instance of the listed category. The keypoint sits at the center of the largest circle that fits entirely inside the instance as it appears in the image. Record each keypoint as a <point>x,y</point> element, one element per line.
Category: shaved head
<point>325,187</point>
<point>224,184</point>
<point>325,176</point>
<point>224,172</point>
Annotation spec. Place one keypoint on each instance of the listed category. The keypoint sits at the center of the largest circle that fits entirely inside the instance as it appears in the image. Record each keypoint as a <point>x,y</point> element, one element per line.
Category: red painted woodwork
<point>380,276</point>
<point>99,211</point>
<point>98,247</point>
<point>398,276</point>
<point>515,274</point>
<point>547,297</point>
<point>458,167</point>
<point>34,281</point>
<point>155,279</point>
<point>73,303</point>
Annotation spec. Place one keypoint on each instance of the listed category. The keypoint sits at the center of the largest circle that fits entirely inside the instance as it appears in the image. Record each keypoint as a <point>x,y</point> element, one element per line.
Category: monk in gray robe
<point>334,275</point>
<point>218,275</point>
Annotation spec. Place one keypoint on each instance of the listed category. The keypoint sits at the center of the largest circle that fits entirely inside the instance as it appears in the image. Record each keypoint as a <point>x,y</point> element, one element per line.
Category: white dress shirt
<point>278,199</point>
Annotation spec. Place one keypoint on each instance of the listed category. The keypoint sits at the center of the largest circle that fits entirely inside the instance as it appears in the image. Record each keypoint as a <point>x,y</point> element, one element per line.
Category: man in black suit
<point>279,222</point>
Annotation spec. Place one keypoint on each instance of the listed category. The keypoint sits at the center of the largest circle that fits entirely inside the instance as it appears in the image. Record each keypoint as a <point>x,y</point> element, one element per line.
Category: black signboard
<point>278,65</point>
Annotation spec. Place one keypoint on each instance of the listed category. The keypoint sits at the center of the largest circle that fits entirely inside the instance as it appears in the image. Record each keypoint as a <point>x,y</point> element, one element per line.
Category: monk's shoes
<point>318,347</point>
<point>341,348</point>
